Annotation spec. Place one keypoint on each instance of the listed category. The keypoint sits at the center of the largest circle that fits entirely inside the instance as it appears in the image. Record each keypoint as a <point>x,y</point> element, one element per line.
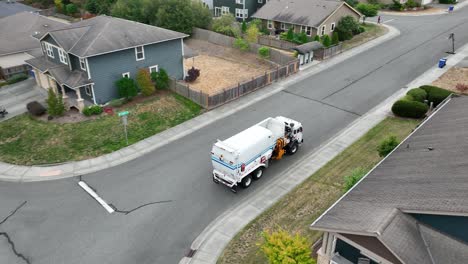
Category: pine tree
<point>143,80</point>
<point>335,38</point>
<point>326,41</point>
<point>55,104</point>
<point>317,38</point>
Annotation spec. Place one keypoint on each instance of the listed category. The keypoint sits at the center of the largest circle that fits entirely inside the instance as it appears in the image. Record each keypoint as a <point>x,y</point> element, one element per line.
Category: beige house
<point>313,17</point>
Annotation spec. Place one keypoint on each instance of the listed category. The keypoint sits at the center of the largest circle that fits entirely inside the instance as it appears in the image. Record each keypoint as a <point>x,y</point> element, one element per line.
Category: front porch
<point>73,98</point>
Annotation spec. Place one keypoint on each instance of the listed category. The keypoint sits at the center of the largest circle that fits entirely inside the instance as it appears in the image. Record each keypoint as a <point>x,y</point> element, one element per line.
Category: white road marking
<point>96,197</point>
<point>390,20</point>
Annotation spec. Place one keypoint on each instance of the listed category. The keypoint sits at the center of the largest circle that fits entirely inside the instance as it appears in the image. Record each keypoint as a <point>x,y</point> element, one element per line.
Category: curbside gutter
<point>20,173</point>
<point>209,245</point>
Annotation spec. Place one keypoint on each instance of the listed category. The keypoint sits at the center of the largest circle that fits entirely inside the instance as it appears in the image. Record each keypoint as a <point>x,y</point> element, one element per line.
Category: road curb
<point>20,173</point>
<point>210,244</point>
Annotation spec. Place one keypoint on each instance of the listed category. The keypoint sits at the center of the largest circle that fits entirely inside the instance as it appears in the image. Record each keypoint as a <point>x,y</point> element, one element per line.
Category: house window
<point>224,10</point>
<point>332,27</point>
<point>270,24</point>
<point>63,56</point>
<point>307,30</point>
<point>140,53</point>
<point>88,90</point>
<point>50,50</point>
<point>126,75</point>
<point>284,26</point>
<point>322,32</point>
<point>260,1</point>
<point>83,64</point>
<point>217,12</point>
<point>240,2</point>
<point>241,13</point>
<point>154,68</point>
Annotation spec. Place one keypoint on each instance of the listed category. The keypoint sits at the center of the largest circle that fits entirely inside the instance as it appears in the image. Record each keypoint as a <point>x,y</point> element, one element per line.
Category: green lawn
<point>372,31</point>
<point>299,208</point>
<point>28,141</point>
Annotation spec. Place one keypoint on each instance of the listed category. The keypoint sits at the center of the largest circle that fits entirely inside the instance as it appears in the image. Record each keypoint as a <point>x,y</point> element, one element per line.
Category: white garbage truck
<point>243,157</point>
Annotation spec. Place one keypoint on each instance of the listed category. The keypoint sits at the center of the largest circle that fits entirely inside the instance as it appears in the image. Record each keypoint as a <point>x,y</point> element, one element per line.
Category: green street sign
<point>124,113</point>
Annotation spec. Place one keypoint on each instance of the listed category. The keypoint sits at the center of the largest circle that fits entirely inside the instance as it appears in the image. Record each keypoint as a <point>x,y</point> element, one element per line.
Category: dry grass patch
<point>451,78</point>
<point>372,31</point>
<point>217,74</point>
<point>299,208</point>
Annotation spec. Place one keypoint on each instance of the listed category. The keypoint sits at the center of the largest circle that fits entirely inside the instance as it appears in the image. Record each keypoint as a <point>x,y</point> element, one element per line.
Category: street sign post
<point>124,116</point>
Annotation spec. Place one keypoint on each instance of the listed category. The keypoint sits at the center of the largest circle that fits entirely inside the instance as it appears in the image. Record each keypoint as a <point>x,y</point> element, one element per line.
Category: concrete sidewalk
<point>211,242</point>
<point>17,173</point>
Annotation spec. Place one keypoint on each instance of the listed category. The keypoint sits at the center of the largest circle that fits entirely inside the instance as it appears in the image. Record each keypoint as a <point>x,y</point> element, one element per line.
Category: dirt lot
<point>451,78</point>
<point>222,67</point>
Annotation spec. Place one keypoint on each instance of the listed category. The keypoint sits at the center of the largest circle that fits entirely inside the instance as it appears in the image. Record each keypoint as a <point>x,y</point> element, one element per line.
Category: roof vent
<point>430,148</point>
<point>45,25</point>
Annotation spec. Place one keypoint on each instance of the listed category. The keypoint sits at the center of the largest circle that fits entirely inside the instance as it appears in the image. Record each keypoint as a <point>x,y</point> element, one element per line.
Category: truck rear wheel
<point>257,174</point>
<point>246,182</point>
<point>293,148</point>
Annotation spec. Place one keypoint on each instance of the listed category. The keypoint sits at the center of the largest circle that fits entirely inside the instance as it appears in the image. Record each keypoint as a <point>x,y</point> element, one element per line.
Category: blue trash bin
<point>450,9</point>
<point>442,63</point>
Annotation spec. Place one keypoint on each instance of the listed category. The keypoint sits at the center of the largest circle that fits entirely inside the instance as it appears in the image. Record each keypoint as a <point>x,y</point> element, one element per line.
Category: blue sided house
<point>82,61</point>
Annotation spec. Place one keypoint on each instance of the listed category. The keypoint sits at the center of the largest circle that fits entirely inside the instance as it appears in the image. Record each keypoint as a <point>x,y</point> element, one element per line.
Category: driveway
<point>15,97</point>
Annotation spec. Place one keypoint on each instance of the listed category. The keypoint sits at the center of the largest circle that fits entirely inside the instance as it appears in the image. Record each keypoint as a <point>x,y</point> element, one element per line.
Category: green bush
<point>290,34</point>
<point>412,109</point>
<point>71,9</point>
<point>161,79</point>
<point>244,27</point>
<point>417,94</point>
<point>264,52</point>
<point>326,41</point>
<point>317,38</point>
<point>352,3</point>
<point>143,80</point>
<point>92,110</point>
<point>411,4</point>
<point>226,25</point>
<point>347,27</point>
<point>447,1</point>
<point>126,88</point>
<point>353,178</point>
<point>17,78</point>
<point>435,94</point>
<point>55,104</point>
<point>368,10</point>
<point>407,97</point>
<point>396,5</point>
<point>335,38</point>
<point>241,44</point>
<point>387,145</point>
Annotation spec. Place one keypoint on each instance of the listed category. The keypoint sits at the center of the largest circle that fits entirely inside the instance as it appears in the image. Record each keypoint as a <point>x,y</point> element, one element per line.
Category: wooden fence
<point>325,53</point>
<point>276,43</point>
<point>210,101</point>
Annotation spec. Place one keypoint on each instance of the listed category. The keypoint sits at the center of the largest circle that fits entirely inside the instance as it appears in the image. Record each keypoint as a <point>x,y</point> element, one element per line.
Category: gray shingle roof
<point>8,9</point>
<point>17,31</point>
<point>412,178</point>
<point>105,34</point>
<point>299,12</point>
<point>308,47</point>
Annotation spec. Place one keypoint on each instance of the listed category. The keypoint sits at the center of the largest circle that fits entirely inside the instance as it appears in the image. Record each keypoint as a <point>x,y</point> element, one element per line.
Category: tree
<point>71,9</point>
<point>161,79</point>
<point>55,104</point>
<point>143,80</point>
<point>368,10</point>
<point>335,38</point>
<point>225,25</point>
<point>326,41</point>
<point>202,15</point>
<point>351,179</point>
<point>131,10</point>
<point>244,27</point>
<point>352,3</point>
<point>290,34</point>
<point>387,146</point>
<point>59,5</point>
<point>302,38</point>
<point>126,87</point>
<point>241,44</point>
<point>317,38</point>
<point>92,6</point>
<point>280,247</point>
<point>252,34</point>
<point>346,27</point>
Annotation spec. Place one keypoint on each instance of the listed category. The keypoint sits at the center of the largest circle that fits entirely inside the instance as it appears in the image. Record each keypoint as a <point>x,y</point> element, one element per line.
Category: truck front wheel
<point>293,148</point>
<point>257,174</point>
<point>246,182</point>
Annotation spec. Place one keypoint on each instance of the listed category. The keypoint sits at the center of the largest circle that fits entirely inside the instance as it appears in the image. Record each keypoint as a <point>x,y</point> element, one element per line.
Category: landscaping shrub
<point>396,5</point>
<point>361,30</point>
<point>55,104</point>
<point>326,41</point>
<point>17,78</point>
<point>92,110</point>
<point>347,27</point>
<point>302,38</point>
<point>417,94</point>
<point>387,145</point>
<point>35,108</point>
<point>290,34</point>
<point>241,44</point>
<point>58,5</point>
<point>317,38</point>
<point>192,75</point>
<point>412,109</point>
<point>226,25</point>
<point>435,94</point>
<point>264,52</point>
<point>251,35</point>
<point>353,178</point>
<point>461,87</point>
<point>126,87</point>
<point>447,1</point>
<point>281,247</point>
<point>368,10</point>
<point>352,3</point>
<point>143,80</point>
<point>407,98</point>
<point>71,9</point>
<point>161,79</point>
<point>244,27</point>
<point>335,38</point>
<point>411,4</point>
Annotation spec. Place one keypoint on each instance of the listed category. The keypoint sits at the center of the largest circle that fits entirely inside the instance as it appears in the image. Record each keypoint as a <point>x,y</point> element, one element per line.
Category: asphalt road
<point>60,223</point>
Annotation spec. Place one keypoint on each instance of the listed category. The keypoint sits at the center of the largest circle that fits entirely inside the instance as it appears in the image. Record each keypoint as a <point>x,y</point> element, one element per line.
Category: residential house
<point>84,60</point>
<point>241,9</point>
<point>412,208</point>
<point>208,3</point>
<point>11,7</point>
<point>313,17</point>
<point>17,42</point>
